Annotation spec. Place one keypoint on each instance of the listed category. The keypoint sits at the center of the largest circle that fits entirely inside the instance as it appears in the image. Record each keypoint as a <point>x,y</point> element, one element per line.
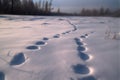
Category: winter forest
<point>44,7</point>
<point>59,40</point>
<point>25,7</point>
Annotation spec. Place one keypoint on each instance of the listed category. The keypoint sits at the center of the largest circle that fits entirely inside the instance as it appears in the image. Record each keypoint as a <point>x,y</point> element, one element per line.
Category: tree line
<point>25,7</point>
<point>95,12</point>
<point>99,12</point>
<point>92,12</point>
<point>44,7</point>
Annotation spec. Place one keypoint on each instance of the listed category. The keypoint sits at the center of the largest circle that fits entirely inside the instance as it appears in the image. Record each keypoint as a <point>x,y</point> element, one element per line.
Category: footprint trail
<point>81,49</point>
<point>80,68</point>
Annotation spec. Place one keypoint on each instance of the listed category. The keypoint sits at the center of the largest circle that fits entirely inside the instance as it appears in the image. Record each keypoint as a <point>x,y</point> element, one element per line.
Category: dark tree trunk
<point>12,6</point>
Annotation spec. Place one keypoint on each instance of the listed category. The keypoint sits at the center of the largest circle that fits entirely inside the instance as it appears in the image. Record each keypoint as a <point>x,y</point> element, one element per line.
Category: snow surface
<point>59,48</point>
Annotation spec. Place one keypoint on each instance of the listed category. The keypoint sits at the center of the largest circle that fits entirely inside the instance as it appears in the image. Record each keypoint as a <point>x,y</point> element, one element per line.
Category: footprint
<point>67,31</point>
<point>81,69</point>
<point>77,40</point>
<point>63,33</point>
<point>2,76</point>
<point>18,59</point>
<point>32,47</point>
<point>56,36</point>
<point>45,38</point>
<point>88,78</point>
<point>45,23</point>
<point>80,48</point>
<point>40,43</point>
<point>84,36</point>
<point>83,56</point>
<point>75,29</point>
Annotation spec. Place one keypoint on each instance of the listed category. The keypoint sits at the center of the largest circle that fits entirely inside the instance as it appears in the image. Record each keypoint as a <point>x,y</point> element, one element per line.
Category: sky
<point>77,5</point>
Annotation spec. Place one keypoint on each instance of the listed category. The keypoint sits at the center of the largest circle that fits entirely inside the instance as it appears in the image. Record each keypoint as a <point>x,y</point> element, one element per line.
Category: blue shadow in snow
<point>18,59</point>
<point>46,23</point>
<point>83,56</point>
<point>40,43</point>
<point>67,32</point>
<point>2,76</point>
<point>80,48</point>
<point>45,38</point>
<point>80,69</point>
<point>32,47</point>
<point>78,42</point>
<point>84,36</point>
<point>56,36</point>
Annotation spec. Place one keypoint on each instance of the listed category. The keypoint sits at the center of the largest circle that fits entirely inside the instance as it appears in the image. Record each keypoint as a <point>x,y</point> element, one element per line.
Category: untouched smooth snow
<point>59,48</point>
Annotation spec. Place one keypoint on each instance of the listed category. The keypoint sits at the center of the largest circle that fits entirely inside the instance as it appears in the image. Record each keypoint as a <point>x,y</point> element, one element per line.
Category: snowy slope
<point>59,48</point>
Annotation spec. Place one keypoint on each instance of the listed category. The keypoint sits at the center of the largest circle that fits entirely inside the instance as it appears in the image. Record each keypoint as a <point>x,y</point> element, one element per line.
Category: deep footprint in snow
<point>64,33</point>
<point>45,23</point>
<point>40,43</point>
<point>84,36</point>
<point>56,36</point>
<point>80,48</point>
<point>45,38</point>
<point>81,69</point>
<point>32,47</point>
<point>83,56</point>
<point>88,78</point>
<point>67,32</point>
<point>77,40</point>
<point>2,76</point>
<point>18,59</point>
